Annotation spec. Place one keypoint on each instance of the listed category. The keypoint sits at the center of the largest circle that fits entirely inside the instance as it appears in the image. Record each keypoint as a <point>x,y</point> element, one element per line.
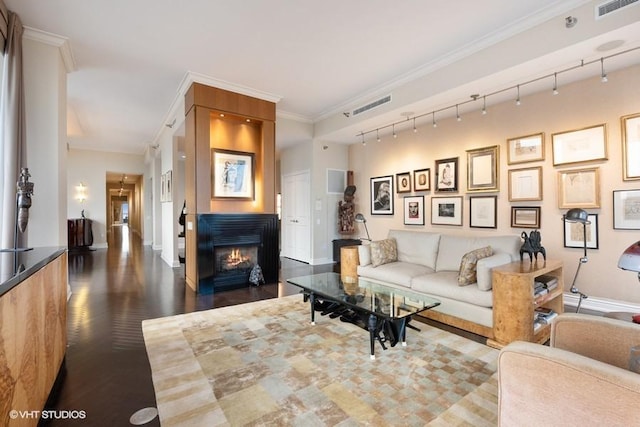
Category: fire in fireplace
<point>235,259</point>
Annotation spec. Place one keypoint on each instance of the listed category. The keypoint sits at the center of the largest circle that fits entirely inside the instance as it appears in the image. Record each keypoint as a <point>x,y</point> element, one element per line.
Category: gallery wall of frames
<point>518,168</point>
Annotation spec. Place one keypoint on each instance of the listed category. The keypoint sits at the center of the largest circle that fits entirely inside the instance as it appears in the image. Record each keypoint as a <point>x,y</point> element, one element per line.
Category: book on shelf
<point>544,315</point>
<point>542,285</point>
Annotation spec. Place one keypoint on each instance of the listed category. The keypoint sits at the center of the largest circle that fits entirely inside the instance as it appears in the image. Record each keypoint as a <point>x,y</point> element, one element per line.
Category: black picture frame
<point>573,233</point>
<point>382,195</point>
<point>422,179</point>
<point>447,175</point>
<point>403,182</point>
<point>525,216</point>
<point>483,211</point>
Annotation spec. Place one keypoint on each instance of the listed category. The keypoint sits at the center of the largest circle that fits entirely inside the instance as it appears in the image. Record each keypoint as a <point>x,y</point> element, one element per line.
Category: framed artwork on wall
<point>579,188</point>
<point>382,195</point>
<point>414,210</point>
<point>483,211</point>
<point>232,174</point>
<point>578,146</point>
<point>631,146</point>
<point>422,179</point>
<point>626,209</point>
<point>447,175</point>
<point>446,210</point>
<point>403,181</point>
<point>482,169</point>
<point>574,233</point>
<point>525,184</point>
<point>525,149</point>
<point>525,216</point>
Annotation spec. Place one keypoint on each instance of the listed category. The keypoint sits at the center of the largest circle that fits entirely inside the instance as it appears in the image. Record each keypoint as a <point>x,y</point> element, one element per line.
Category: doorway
<point>296,214</point>
<point>123,208</point>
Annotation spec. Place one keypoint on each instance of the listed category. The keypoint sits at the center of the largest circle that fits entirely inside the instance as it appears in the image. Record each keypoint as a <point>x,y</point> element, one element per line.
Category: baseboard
<point>601,304</point>
<point>100,246</point>
<point>321,261</point>
<point>156,247</point>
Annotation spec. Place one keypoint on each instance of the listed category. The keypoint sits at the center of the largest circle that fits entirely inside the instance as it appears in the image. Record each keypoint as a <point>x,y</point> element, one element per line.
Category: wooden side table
<point>349,263</point>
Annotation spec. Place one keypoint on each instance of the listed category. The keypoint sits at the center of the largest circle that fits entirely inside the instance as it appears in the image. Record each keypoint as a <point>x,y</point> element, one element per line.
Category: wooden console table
<point>79,233</point>
<point>514,302</point>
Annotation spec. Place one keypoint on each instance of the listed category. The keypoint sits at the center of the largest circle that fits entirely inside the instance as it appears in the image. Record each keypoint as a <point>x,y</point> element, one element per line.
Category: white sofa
<point>429,263</point>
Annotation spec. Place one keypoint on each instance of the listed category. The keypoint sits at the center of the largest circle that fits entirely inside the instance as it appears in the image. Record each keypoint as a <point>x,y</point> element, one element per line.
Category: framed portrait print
<point>447,175</point>
<point>631,146</point>
<point>579,188</point>
<point>525,149</point>
<point>626,209</point>
<point>403,182</point>
<point>582,145</point>
<point>232,174</point>
<point>574,233</point>
<point>525,216</point>
<point>414,210</point>
<point>482,169</point>
<point>483,211</point>
<point>422,180</point>
<point>525,184</point>
<point>446,210</point>
<point>382,195</point>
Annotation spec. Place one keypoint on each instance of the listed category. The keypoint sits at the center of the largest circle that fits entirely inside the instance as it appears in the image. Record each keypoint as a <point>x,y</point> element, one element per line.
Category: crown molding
<point>286,115</point>
<point>51,39</point>
<point>192,77</point>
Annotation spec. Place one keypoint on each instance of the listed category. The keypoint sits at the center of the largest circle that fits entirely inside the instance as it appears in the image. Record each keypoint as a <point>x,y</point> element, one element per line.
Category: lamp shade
<point>630,258</point>
<point>360,218</point>
<point>577,215</point>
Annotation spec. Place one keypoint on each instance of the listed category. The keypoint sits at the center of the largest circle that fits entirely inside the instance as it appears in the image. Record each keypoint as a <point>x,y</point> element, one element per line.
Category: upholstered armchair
<point>581,379</point>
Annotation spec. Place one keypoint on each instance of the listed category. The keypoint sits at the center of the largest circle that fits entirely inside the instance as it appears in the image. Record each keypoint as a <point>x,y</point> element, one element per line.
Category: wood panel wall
<point>33,341</point>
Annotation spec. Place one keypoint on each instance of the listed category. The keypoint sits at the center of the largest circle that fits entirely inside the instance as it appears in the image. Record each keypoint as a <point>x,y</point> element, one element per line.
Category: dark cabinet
<point>79,233</point>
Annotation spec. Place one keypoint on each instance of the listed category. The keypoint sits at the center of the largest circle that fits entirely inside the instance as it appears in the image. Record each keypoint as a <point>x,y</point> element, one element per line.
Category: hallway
<point>107,372</point>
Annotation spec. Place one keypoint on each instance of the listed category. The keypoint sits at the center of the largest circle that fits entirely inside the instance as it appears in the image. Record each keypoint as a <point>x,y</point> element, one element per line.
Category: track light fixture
<point>363,141</point>
<point>603,76</point>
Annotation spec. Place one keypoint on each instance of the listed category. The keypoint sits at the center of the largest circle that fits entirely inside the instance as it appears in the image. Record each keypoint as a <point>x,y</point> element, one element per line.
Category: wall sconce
<point>81,193</point>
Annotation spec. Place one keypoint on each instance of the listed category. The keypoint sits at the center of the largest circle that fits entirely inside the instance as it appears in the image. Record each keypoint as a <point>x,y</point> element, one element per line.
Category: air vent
<point>372,105</point>
<point>612,6</point>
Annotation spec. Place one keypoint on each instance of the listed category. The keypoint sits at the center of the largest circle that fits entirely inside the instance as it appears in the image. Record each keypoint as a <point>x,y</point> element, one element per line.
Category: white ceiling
<point>319,57</point>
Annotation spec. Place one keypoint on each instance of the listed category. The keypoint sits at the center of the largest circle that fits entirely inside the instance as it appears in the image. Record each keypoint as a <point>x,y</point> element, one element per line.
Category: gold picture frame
<point>630,126</point>
<point>525,184</point>
<point>482,169</point>
<point>579,188</point>
<point>525,149</point>
<point>580,145</point>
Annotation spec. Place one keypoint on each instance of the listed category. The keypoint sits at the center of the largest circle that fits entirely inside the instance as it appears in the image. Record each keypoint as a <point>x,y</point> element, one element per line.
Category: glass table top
<point>369,296</point>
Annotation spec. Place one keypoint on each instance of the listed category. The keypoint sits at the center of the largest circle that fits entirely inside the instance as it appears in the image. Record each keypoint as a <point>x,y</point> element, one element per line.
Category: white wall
<point>90,168</point>
<point>45,106</point>
<point>577,106</point>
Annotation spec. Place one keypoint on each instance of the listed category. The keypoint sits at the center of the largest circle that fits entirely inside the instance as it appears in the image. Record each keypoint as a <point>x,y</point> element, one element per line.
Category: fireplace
<point>230,245</point>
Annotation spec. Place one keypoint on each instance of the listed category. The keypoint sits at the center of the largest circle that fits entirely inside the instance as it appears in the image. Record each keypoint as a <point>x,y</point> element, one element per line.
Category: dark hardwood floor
<point>106,372</point>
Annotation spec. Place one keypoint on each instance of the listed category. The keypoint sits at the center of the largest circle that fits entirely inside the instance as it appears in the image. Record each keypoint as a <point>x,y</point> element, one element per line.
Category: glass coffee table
<point>384,311</point>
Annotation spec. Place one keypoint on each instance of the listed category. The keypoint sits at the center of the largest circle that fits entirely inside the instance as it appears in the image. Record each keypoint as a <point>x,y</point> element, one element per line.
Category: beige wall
<point>578,105</point>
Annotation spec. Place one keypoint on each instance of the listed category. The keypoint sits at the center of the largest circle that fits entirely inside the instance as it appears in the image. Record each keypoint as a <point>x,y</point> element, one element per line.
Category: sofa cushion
<point>364,254</point>
<point>484,267</point>
<point>445,284</point>
<point>467,272</point>
<point>396,273</point>
<point>416,247</point>
<point>383,252</point>
<point>453,248</point>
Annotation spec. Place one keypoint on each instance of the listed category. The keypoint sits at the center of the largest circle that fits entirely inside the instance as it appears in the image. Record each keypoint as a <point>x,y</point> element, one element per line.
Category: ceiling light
<point>484,105</point>
<point>555,83</point>
<point>518,98</point>
<point>394,130</point>
<point>377,135</point>
<point>415,129</point>
<point>433,118</point>
<point>603,75</point>
<point>363,141</point>
<point>458,118</point>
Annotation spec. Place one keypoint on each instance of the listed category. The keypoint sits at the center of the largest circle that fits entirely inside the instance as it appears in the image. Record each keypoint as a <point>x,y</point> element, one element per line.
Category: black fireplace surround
<point>242,230</point>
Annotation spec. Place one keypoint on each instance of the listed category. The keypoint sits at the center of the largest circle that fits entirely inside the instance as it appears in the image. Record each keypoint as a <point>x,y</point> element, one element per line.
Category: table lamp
<point>630,260</point>
<point>579,216</point>
<point>361,219</point>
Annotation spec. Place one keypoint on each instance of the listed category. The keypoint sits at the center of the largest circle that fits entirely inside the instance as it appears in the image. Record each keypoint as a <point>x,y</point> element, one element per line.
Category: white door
<point>296,215</point>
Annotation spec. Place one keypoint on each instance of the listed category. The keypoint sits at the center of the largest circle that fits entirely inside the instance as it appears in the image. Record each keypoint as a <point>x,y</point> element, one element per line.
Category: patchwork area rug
<point>263,363</point>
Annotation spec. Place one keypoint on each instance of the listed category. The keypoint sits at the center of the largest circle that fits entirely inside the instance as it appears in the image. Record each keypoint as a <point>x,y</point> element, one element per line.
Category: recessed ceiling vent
<point>372,105</point>
<point>612,6</point>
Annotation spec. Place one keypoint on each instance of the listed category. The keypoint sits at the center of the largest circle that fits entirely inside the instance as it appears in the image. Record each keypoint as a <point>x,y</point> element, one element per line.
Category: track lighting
<point>363,141</point>
<point>603,76</point>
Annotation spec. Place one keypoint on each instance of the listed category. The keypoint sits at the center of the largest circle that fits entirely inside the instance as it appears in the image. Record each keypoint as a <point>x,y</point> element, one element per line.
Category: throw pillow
<point>383,252</point>
<point>467,273</point>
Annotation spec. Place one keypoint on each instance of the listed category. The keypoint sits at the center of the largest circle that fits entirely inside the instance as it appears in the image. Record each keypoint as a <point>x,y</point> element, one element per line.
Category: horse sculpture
<point>532,246</point>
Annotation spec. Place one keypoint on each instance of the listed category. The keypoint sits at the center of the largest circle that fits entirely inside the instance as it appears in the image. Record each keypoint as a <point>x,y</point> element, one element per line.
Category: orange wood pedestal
<point>349,263</point>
